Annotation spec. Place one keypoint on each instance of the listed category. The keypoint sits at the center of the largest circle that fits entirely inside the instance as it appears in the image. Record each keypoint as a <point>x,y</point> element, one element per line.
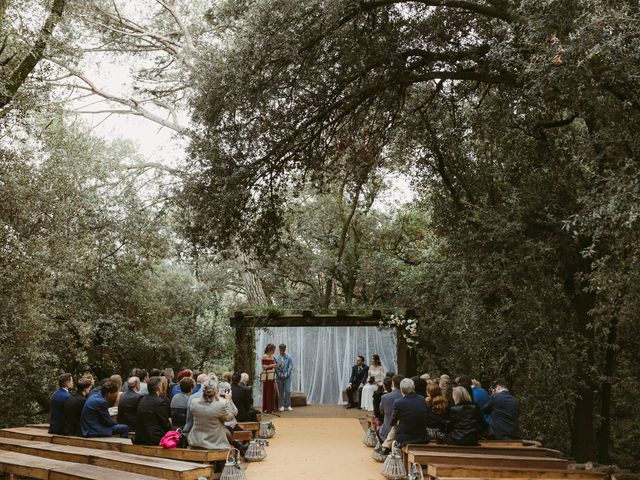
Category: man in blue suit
<point>95,420</point>
<point>410,415</point>
<point>505,410</point>
<point>386,405</point>
<point>59,397</point>
<point>359,376</point>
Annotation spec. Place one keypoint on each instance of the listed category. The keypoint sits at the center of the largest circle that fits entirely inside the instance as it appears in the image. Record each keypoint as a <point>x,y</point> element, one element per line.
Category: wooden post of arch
<point>407,359</point>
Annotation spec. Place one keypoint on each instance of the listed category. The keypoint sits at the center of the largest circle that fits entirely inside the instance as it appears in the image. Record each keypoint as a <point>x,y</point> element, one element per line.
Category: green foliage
<point>87,278</point>
<point>517,121</point>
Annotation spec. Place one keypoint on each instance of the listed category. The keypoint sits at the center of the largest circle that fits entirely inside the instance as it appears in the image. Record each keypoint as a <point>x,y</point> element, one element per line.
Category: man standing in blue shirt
<point>65,382</point>
<point>283,372</point>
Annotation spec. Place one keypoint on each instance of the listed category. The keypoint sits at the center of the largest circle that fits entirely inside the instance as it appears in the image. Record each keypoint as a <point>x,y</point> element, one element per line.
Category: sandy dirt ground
<point>317,442</point>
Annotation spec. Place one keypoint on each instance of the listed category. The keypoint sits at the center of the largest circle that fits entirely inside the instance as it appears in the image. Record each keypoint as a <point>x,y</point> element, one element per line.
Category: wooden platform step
<point>155,467</point>
<point>29,466</point>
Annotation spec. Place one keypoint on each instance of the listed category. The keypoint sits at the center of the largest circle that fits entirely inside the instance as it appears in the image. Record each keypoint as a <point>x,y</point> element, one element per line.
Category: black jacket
<point>437,420</point>
<point>127,409</point>
<point>465,424</point>
<point>152,420</point>
<point>71,412</point>
<point>243,402</point>
<point>410,415</point>
<point>504,409</point>
<point>359,378</point>
<point>377,397</point>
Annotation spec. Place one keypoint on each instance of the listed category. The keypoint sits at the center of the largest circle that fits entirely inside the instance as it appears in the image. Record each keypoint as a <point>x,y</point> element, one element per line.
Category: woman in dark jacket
<point>437,412</point>
<point>465,420</point>
<point>152,416</point>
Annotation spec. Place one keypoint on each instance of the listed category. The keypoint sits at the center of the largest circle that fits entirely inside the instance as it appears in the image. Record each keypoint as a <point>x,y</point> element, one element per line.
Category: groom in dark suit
<point>359,376</point>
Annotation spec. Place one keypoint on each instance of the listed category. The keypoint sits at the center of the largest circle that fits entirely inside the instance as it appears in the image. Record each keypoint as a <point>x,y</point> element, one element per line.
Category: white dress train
<point>366,398</point>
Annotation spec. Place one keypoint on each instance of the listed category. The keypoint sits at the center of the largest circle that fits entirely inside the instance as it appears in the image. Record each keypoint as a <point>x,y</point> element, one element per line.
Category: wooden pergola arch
<point>246,323</point>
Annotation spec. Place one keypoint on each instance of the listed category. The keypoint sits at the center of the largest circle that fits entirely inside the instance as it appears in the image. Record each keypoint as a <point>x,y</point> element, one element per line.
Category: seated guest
<point>446,388</point>
<point>377,398</point>
<point>480,398</point>
<point>465,381</point>
<point>410,415</point>
<point>95,420</point>
<point>200,379</point>
<point>465,420</point>
<point>152,416</point>
<point>180,402</point>
<point>386,406</point>
<point>143,375</point>
<point>437,412</point>
<point>209,412</point>
<point>242,400</point>
<point>155,372</point>
<point>504,409</point>
<point>72,409</point>
<point>168,374</point>
<point>196,393</point>
<point>128,405</point>
<point>421,386</point>
<point>227,376</point>
<point>175,389</point>
<point>59,397</point>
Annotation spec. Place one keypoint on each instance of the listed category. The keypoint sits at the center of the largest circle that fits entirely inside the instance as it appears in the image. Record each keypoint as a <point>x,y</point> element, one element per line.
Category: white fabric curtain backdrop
<point>323,357</point>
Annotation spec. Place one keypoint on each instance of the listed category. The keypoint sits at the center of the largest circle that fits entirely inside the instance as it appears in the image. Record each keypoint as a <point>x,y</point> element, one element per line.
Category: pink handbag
<point>170,439</point>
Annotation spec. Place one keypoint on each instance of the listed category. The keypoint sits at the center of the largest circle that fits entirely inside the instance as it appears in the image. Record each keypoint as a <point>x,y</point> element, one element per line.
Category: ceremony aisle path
<point>317,442</point>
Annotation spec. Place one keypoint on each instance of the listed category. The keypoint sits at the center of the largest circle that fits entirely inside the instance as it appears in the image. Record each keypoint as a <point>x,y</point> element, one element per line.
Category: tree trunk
<point>34,55</point>
<point>604,432</point>
<point>583,444</point>
<point>245,339</point>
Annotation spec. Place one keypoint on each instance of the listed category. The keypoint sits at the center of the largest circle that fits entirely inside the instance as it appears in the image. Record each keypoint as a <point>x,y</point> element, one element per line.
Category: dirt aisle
<point>316,449</point>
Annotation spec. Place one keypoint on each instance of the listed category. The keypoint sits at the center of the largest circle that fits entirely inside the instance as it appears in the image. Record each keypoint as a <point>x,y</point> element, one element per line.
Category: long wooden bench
<point>495,472</point>
<point>29,466</point>
<point>155,467</point>
<point>253,427</point>
<point>486,449</point>
<point>424,458</point>
<point>116,444</point>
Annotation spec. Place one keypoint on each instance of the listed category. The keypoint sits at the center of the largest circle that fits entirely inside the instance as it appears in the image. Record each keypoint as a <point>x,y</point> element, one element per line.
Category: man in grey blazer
<point>386,405</point>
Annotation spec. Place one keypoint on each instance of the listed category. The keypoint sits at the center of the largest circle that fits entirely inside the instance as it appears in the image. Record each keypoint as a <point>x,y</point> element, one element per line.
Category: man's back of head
<point>133,383</point>
<point>395,381</point>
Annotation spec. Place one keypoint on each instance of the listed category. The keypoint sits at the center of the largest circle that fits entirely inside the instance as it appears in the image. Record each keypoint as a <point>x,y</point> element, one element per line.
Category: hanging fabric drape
<point>323,356</point>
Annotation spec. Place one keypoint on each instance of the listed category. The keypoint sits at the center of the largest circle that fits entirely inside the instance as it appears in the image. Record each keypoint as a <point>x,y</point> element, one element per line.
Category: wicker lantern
<point>393,466</point>
<point>415,473</point>
<point>370,438</point>
<point>256,451</point>
<point>377,454</point>
<point>232,469</point>
<point>267,430</point>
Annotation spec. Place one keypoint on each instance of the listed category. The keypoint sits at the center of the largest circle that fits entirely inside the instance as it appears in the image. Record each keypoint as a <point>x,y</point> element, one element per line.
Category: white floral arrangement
<point>407,327</point>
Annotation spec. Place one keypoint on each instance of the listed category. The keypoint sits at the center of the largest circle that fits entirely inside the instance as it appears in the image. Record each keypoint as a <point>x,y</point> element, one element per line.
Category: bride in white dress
<point>376,373</point>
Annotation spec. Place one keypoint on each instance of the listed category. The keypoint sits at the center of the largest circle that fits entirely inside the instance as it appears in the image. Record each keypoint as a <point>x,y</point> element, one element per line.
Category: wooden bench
<point>253,427</point>
<point>457,471</point>
<point>424,458</point>
<point>486,449</point>
<point>117,444</point>
<point>155,467</point>
<point>29,466</point>
<point>242,436</point>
